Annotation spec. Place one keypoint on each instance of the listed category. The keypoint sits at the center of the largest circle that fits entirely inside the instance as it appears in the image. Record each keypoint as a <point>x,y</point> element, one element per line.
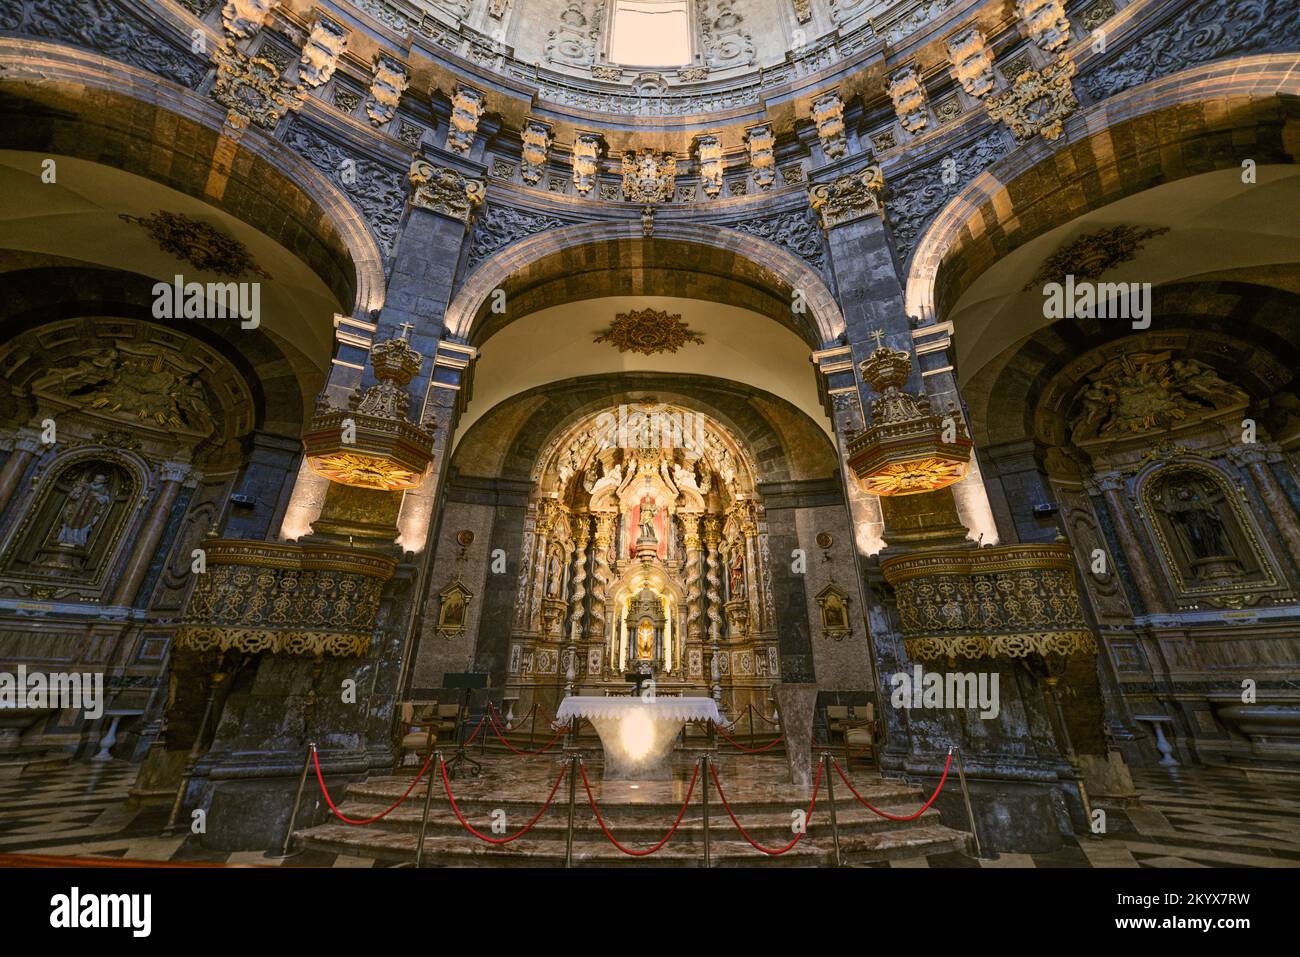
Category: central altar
<point>637,734</point>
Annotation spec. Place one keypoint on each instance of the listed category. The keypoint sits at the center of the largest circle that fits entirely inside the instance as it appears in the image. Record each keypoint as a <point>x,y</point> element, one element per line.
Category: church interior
<point>600,433</point>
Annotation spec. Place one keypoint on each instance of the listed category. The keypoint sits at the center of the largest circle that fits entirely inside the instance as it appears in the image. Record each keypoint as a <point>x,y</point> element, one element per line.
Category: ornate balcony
<point>289,599</point>
<point>1009,601</point>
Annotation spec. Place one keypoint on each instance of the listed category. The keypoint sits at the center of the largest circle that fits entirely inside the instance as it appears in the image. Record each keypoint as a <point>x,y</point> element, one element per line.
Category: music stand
<point>463,681</point>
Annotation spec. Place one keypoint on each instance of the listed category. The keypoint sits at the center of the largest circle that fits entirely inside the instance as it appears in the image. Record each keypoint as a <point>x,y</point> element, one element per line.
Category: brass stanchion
<point>573,803</point>
<point>285,851</point>
<point>965,795</point>
<point>196,751</point>
<point>704,770</point>
<point>751,725</point>
<point>428,799</point>
<point>532,730</point>
<point>828,769</point>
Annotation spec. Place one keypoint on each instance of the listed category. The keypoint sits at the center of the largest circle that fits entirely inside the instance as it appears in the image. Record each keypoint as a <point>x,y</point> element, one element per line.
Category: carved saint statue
<point>646,530</point>
<point>554,576</point>
<point>1198,523</point>
<point>86,505</point>
<point>737,576</point>
<point>645,639</point>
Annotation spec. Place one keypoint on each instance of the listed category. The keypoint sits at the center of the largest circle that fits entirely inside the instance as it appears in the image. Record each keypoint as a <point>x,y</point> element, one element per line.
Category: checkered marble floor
<point>1186,818</point>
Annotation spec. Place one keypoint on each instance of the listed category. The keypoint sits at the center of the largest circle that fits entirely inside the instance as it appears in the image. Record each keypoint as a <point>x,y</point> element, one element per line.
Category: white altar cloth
<point>637,735</point>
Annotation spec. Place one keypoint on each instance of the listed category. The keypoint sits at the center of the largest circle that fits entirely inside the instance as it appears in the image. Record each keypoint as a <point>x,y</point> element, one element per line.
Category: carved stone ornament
<point>199,244</point>
<point>586,161</point>
<point>833,602</point>
<point>1092,255</point>
<point>907,450</point>
<point>762,155</point>
<point>320,54</point>
<point>388,82</point>
<point>497,8</point>
<point>243,18</point>
<point>444,190</point>
<point>648,176</point>
<point>972,62</point>
<point>537,141</point>
<point>145,385</point>
<point>648,331</point>
<point>1146,392</point>
<point>467,105</point>
<point>1046,21</point>
<point>371,444</point>
<point>453,610</point>
<point>802,10</point>
<point>849,197</point>
<point>908,93</point>
<point>250,88</point>
<point>708,152</point>
<point>828,117</point>
<point>1038,101</point>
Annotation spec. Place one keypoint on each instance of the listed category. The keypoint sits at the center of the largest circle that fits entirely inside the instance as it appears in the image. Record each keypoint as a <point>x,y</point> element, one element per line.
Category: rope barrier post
<point>573,804</point>
<point>487,716</point>
<point>424,818</point>
<point>705,768</point>
<point>830,797</point>
<point>286,847</point>
<point>965,796</point>
<point>751,724</point>
<point>532,729</point>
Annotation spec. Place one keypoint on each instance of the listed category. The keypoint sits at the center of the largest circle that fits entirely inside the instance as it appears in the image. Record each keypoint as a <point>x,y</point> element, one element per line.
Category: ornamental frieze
<point>649,176</point>
<point>441,189</point>
<point>794,231</point>
<point>502,225</point>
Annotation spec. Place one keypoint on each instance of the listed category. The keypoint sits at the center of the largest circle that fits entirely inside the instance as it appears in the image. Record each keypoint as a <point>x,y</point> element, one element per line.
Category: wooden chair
<point>837,721</point>
<point>423,727</point>
<point>860,735</point>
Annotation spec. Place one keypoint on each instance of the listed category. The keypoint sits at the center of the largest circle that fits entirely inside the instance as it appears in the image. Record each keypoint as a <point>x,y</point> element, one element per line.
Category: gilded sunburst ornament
<point>648,331</point>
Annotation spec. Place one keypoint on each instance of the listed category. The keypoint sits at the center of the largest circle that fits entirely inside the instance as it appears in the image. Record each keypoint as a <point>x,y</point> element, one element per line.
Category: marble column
<point>171,476</point>
<point>577,596</point>
<point>26,444</point>
<point>1254,459</point>
<point>1111,485</point>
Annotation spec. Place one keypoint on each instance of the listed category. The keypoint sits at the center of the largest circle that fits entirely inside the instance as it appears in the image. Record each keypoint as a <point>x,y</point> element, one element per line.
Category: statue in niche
<point>646,531</point>
<point>737,575</point>
<point>85,506</point>
<point>645,638</point>
<point>1197,522</point>
<point>554,575</point>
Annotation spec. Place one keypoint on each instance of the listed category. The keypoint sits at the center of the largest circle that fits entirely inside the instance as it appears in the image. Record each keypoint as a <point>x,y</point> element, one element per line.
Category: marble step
<point>645,825</point>
<point>466,851</point>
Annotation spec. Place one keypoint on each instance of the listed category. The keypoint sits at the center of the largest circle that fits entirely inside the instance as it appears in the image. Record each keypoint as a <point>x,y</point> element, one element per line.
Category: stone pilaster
<point>1255,459</point>
<point>171,477</point>
<point>1111,485</point>
<point>26,445</point>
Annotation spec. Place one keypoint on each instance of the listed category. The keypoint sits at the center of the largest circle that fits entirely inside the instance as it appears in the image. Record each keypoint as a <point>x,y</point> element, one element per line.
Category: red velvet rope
<point>477,728</point>
<point>911,817</point>
<point>627,850</point>
<point>740,747</point>
<point>370,820</point>
<point>542,750</point>
<point>774,852</point>
<point>446,783</point>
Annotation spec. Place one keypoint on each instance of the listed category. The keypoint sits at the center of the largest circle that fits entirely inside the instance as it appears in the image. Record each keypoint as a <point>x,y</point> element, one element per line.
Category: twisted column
<point>713,535</point>
<point>582,534</point>
<point>600,576</point>
<point>694,593</point>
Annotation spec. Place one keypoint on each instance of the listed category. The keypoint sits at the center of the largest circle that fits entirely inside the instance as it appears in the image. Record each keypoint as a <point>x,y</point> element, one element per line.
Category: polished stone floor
<point>1186,818</point>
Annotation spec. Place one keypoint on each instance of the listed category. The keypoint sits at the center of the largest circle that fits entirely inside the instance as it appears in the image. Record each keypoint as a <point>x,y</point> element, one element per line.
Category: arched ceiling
<point>556,343</point>
<point>78,218</point>
<point>1215,222</point>
<point>507,441</point>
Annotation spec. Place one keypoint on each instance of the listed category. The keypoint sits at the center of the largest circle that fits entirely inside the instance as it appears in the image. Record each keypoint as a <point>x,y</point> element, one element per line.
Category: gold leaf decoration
<point>648,331</point>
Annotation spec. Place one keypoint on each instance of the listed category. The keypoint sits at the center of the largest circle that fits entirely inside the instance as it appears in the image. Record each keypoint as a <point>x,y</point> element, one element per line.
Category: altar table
<point>637,735</point>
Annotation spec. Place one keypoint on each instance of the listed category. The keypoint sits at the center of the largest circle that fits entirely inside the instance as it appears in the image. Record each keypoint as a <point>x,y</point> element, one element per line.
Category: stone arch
<point>1190,123</point>
<point>60,100</point>
<point>614,258</point>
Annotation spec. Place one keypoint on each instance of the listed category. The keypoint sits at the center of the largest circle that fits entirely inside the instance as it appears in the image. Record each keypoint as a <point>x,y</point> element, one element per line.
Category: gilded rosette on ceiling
<point>906,450</point>
<point>372,444</point>
<point>1008,601</point>
<point>278,598</point>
